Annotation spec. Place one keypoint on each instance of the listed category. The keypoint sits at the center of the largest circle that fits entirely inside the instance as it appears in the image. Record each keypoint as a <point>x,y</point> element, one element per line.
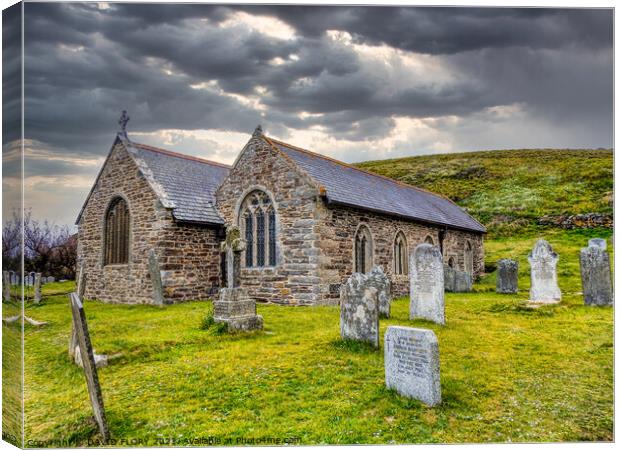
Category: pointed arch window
<point>429,240</point>
<point>400,254</point>
<point>259,228</point>
<point>363,250</point>
<point>116,232</point>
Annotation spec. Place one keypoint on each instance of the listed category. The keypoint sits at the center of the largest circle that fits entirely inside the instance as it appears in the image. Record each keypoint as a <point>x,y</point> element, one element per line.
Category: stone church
<point>309,222</point>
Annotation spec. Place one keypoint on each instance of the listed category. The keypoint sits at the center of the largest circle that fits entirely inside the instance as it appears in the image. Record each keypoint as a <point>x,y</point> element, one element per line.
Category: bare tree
<point>48,248</point>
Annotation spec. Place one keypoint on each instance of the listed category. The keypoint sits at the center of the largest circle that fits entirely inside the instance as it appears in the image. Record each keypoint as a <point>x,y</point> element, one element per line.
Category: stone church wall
<point>294,280</point>
<point>188,254</point>
<point>337,234</point>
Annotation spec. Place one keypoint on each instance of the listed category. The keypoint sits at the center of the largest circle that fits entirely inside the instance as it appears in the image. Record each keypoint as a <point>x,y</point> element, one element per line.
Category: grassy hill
<point>508,190</point>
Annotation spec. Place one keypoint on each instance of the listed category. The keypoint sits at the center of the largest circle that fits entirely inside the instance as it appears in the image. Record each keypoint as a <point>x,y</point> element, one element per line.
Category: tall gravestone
<point>80,289</point>
<point>507,276</point>
<point>88,364</point>
<point>37,287</point>
<point>155,273</point>
<point>543,265</point>
<point>381,282</point>
<point>359,310</point>
<point>6,286</point>
<point>426,284</point>
<point>596,274</point>
<point>235,308</point>
<point>412,363</point>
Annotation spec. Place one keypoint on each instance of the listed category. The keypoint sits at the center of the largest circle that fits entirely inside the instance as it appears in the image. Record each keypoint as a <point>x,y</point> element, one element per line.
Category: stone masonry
<point>188,254</point>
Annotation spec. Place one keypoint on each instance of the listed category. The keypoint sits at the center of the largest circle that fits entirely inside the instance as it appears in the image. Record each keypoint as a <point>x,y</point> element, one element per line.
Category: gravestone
<point>426,284</point>
<point>359,310</point>
<point>449,278</point>
<point>507,276</point>
<point>37,287</point>
<point>50,279</point>
<point>6,286</point>
<point>412,363</point>
<point>89,366</point>
<point>80,289</point>
<point>381,282</point>
<point>155,273</point>
<point>598,242</point>
<point>462,281</point>
<point>235,308</point>
<point>596,274</point>
<point>543,262</point>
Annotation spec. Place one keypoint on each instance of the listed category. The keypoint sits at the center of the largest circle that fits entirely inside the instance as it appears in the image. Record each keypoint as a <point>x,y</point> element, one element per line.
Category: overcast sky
<point>355,83</point>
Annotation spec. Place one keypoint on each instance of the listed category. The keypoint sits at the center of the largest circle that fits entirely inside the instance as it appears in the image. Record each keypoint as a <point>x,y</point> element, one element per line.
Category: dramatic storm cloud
<point>355,83</point>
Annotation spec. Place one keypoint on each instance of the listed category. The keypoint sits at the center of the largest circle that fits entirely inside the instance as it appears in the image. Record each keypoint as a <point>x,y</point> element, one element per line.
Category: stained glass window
<point>249,240</point>
<point>272,237</point>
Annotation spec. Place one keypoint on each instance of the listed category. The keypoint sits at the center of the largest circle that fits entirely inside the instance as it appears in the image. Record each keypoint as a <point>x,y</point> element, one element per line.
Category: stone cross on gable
<point>232,247</point>
<point>123,122</point>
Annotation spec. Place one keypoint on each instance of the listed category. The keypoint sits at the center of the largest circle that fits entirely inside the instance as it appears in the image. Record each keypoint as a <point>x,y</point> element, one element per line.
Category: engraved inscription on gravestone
<point>412,363</point>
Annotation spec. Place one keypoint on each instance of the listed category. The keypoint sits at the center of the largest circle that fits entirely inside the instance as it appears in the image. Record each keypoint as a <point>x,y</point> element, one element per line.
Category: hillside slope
<point>509,190</point>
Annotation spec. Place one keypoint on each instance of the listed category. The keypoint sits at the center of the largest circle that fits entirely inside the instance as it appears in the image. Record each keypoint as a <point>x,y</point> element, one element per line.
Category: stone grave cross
<point>232,247</point>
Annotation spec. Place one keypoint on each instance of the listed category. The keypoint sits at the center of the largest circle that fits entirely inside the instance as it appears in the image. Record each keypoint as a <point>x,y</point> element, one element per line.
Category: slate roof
<point>350,186</point>
<point>184,183</point>
<point>187,185</point>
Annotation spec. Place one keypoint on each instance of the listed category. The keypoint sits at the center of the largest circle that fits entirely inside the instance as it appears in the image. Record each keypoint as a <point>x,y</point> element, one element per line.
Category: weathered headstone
<point>89,365</point>
<point>462,282</point>
<point>6,286</point>
<point>449,278</point>
<point>359,310</point>
<point>381,282</point>
<point>155,273</point>
<point>37,287</point>
<point>412,363</point>
<point>543,262</point>
<point>12,279</point>
<point>235,308</point>
<point>596,275</point>
<point>50,279</point>
<point>507,276</point>
<point>426,284</point>
<point>80,289</point>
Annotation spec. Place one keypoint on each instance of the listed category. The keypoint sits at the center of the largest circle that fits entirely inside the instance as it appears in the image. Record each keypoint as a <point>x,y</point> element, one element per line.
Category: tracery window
<point>260,237</point>
<point>400,254</point>
<point>363,250</point>
<point>116,232</point>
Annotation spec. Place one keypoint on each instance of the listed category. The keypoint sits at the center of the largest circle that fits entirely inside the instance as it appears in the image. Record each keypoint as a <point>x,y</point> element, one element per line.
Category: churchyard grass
<point>508,373</point>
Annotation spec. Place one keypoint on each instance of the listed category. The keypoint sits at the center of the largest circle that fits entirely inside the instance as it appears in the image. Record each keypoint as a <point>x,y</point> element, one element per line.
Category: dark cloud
<point>195,67</point>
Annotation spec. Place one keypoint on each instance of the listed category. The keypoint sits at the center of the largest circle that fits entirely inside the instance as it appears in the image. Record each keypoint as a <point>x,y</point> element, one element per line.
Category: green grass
<point>508,373</point>
<point>508,190</point>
